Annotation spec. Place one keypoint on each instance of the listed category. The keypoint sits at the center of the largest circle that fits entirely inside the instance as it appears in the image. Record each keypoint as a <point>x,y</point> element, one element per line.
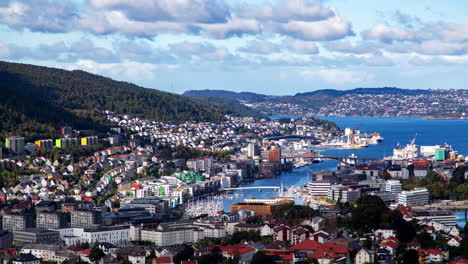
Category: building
<point>364,255</point>
<point>85,218</point>
<point>51,220</point>
<point>44,143</point>
<point>253,150</point>
<point>277,200</point>
<point>67,142</point>
<point>318,188</point>
<point>418,196</point>
<point>89,141</point>
<point>176,233</point>
<point>36,235</point>
<point>115,235</point>
<point>66,130</point>
<point>15,144</point>
<point>260,209</point>
<point>393,186</point>
<point>47,252</point>
<point>12,222</point>
<point>24,259</point>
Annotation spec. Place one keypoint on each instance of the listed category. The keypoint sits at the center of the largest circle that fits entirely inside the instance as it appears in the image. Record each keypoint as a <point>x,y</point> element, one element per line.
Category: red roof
<point>74,248</point>
<point>86,252</point>
<point>390,244</point>
<point>320,248</point>
<point>162,260</point>
<point>233,249</point>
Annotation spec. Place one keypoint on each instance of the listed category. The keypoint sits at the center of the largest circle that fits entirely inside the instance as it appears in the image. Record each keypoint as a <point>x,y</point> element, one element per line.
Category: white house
<point>364,255</point>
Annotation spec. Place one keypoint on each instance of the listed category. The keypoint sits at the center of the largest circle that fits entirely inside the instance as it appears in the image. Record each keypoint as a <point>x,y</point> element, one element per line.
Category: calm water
<point>394,129</point>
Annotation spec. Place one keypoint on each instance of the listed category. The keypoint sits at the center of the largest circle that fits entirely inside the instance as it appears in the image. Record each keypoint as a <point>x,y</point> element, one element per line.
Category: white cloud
<point>300,46</point>
<point>286,10</point>
<point>233,27</point>
<point>330,29</point>
<point>260,47</point>
<point>4,50</point>
<point>337,76</point>
<point>133,71</point>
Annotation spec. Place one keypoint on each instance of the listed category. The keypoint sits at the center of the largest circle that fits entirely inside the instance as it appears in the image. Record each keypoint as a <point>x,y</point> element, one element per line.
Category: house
<point>323,252</point>
<point>137,257</point>
<point>364,255</point>
<point>454,242</point>
<point>27,258</point>
<point>414,244</point>
<point>454,231</point>
<point>281,233</point>
<point>245,253</point>
<point>430,256</point>
<point>109,259</point>
<point>384,233</point>
<point>459,261</point>
<point>324,235</point>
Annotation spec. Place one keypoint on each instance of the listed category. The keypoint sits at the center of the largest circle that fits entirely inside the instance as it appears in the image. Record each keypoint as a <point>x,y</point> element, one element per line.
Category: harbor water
<point>394,129</point>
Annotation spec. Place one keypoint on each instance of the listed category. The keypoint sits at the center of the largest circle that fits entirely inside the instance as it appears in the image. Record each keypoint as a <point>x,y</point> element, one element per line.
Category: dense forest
<point>36,101</point>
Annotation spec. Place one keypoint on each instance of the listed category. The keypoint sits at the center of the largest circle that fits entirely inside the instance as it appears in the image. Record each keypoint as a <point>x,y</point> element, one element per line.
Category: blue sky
<point>272,47</point>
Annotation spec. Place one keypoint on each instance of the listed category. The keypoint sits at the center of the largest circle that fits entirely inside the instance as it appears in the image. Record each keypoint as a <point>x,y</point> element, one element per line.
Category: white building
<point>318,188</point>
<point>75,235</point>
<point>393,186</point>
<point>418,196</point>
<point>364,256</point>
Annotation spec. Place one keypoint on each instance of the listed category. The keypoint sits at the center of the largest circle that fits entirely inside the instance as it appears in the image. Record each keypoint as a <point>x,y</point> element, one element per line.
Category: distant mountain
<point>243,96</point>
<point>382,90</point>
<point>229,106</point>
<point>36,101</point>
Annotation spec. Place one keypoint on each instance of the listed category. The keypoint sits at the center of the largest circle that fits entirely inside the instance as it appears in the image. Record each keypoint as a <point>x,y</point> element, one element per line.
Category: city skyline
<point>270,47</point>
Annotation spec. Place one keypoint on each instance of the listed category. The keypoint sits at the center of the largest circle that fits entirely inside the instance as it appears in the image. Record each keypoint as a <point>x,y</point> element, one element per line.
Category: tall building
<point>89,141</point>
<point>393,186</point>
<point>66,142</point>
<point>13,222</point>
<point>253,150</point>
<point>15,144</point>
<point>418,196</point>
<point>274,155</point>
<point>44,143</point>
<point>51,220</point>
<point>85,218</point>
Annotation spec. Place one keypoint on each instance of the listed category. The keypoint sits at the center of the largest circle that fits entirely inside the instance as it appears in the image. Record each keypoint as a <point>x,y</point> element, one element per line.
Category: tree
<point>185,254</point>
<point>410,257</point>
<point>96,254</point>
<point>370,213</point>
<point>261,258</point>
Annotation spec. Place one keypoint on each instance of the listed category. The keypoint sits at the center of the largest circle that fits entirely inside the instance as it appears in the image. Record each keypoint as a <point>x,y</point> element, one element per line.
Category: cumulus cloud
<point>260,47</point>
<point>337,76</point>
<point>437,47</point>
<point>348,47</point>
<point>60,51</point>
<point>188,11</point>
<point>233,27</point>
<point>330,29</point>
<point>286,10</point>
<point>299,46</point>
<point>39,15</point>
<point>386,33</point>
<point>128,70</point>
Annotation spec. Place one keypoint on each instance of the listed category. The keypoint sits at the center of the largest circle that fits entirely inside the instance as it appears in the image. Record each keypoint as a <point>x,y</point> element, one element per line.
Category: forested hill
<point>38,100</point>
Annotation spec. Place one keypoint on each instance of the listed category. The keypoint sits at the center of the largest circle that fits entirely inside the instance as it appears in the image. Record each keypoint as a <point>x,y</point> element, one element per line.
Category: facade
<point>15,144</point>
<point>259,209</point>
<point>36,235</point>
<point>12,222</point>
<point>85,218</point>
<point>393,186</point>
<point>418,196</point>
<point>364,256</point>
<point>25,259</point>
<point>51,220</point>
<point>318,188</point>
<point>47,252</point>
<point>115,235</point>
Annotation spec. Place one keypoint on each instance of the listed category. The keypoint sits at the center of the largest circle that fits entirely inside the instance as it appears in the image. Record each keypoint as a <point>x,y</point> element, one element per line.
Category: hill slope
<point>242,96</point>
<point>37,100</point>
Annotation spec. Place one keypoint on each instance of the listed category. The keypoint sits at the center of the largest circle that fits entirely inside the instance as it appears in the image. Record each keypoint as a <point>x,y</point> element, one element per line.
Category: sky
<point>277,47</point>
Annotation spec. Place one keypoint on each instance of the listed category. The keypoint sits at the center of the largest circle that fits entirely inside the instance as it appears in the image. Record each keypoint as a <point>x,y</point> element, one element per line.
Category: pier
<point>253,188</point>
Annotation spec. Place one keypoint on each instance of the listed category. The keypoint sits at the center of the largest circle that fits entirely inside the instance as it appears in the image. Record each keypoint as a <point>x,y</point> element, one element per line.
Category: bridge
<point>253,188</point>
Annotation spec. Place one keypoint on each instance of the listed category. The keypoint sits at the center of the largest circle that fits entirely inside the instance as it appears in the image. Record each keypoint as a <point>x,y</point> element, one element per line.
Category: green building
<point>440,154</point>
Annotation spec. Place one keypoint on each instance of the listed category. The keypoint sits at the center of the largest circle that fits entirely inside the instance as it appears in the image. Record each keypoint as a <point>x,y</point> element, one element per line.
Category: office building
<point>51,220</point>
<point>318,188</point>
<point>393,186</point>
<point>260,209</point>
<point>36,235</point>
<point>416,197</point>
<point>12,222</point>
<point>116,235</point>
<point>253,150</point>
<point>86,218</point>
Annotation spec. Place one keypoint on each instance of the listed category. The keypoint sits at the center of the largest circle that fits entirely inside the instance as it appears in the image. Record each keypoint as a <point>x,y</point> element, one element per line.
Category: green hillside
<point>36,101</point>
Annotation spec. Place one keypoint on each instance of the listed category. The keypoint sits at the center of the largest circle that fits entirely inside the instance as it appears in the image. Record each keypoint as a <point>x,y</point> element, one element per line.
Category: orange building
<point>260,209</point>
